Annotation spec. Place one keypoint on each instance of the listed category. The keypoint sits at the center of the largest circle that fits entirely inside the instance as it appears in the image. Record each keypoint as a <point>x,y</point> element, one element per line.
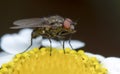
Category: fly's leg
<point>50,46</point>
<point>70,41</point>
<point>64,46</point>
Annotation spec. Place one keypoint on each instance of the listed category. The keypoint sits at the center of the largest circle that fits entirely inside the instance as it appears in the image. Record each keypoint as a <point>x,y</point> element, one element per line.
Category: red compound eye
<point>67,23</point>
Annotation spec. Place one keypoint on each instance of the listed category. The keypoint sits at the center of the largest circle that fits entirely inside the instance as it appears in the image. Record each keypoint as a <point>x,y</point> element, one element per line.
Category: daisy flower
<point>39,61</point>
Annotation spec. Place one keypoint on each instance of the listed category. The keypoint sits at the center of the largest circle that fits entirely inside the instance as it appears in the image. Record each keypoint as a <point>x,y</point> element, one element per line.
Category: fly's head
<point>69,25</point>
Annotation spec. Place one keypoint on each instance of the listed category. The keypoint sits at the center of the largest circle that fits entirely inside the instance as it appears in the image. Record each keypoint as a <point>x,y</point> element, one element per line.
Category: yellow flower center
<point>40,62</point>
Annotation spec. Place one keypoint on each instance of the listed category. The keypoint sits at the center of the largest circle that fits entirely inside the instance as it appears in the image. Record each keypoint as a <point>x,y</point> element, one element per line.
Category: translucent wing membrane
<point>29,26</point>
<point>30,23</point>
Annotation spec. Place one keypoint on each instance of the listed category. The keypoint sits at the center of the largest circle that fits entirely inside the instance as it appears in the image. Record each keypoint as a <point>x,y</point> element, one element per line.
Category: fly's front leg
<point>64,46</point>
<point>70,40</point>
<point>61,36</point>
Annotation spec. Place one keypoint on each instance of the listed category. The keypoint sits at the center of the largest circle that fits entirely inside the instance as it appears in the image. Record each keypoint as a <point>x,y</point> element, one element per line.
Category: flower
<point>71,62</point>
<point>40,62</point>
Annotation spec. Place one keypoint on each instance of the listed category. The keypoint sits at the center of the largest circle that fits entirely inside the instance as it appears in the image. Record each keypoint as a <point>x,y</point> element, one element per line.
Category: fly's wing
<point>30,23</point>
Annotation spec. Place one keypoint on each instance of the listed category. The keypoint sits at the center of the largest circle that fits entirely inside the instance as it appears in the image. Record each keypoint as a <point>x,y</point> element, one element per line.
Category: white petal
<point>3,54</point>
<point>74,43</point>
<point>16,43</point>
<point>54,43</point>
<point>59,44</point>
<point>4,58</point>
<point>99,57</point>
<point>112,64</point>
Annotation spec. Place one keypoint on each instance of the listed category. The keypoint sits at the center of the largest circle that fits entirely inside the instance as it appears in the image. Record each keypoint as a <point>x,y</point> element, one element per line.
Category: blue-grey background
<point>98,27</point>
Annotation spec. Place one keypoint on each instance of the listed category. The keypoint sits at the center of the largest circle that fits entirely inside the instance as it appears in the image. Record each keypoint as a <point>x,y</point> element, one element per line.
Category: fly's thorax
<point>53,20</point>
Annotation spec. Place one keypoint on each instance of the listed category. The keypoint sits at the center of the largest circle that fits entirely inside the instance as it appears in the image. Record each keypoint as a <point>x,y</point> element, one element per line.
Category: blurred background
<point>98,27</point>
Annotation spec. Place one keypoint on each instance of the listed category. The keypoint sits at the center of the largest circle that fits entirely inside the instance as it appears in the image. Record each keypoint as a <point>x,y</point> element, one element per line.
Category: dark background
<point>99,25</point>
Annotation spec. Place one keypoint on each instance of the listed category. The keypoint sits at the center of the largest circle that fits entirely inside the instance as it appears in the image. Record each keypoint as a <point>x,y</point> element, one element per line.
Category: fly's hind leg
<point>29,45</point>
<point>34,34</point>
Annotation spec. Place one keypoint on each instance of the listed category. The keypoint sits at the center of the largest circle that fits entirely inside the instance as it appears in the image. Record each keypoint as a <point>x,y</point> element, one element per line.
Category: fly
<point>48,27</point>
